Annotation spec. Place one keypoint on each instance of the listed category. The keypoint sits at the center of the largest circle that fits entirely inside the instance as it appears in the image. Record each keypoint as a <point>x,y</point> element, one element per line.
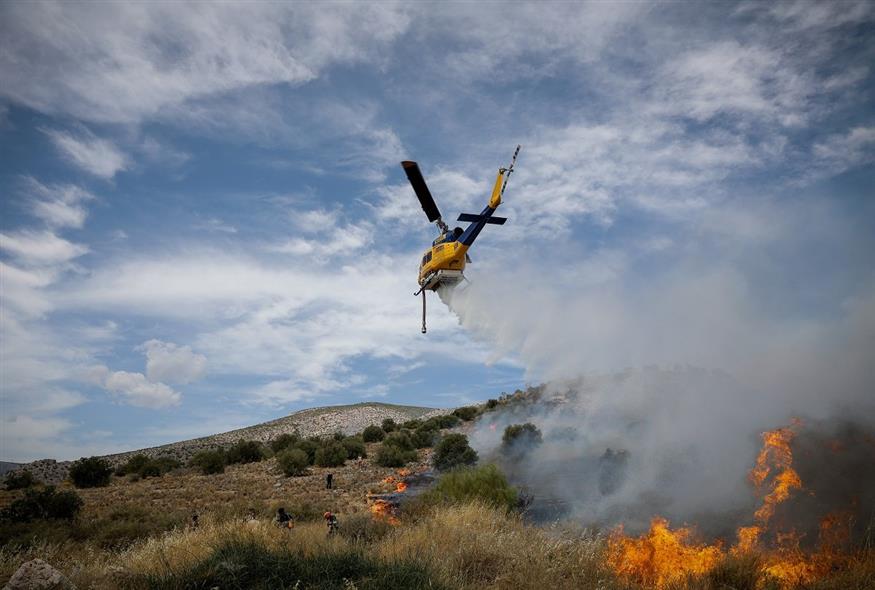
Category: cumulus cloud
<point>96,156</point>
<point>171,363</point>
<point>136,390</point>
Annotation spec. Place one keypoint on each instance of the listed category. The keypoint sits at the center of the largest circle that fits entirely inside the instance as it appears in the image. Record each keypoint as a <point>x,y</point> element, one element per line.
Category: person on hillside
<point>283,519</point>
<point>329,480</point>
<point>193,524</point>
<point>331,521</point>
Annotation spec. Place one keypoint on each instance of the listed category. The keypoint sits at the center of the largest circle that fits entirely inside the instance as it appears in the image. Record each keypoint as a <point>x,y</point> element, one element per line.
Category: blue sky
<point>204,223</point>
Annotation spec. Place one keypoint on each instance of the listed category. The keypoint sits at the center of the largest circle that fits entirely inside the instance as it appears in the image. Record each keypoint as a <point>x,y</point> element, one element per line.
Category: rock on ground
<point>38,575</point>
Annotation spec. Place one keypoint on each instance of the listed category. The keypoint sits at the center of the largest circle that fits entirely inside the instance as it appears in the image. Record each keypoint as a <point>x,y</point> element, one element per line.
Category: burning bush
<point>209,462</point>
<point>452,451</point>
<point>293,462</point>
<point>92,472</point>
<point>373,434</point>
<point>19,480</point>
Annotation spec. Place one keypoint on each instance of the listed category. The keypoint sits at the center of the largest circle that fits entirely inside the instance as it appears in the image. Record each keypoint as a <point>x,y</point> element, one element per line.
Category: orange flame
<point>384,510</point>
<point>400,487</point>
<point>663,556</point>
<point>660,556</point>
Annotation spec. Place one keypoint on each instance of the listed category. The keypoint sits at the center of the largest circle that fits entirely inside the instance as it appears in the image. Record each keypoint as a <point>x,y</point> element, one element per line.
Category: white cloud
<point>96,156</point>
<point>124,62</point>
<point>40,247</point>
<point>839,152</point>
<point>136,390</point>
<point>171,363</point>
<point>58,205</point>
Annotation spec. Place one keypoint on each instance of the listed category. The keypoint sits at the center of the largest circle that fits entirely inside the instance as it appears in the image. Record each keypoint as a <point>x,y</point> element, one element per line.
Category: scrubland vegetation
<point>465,532</point>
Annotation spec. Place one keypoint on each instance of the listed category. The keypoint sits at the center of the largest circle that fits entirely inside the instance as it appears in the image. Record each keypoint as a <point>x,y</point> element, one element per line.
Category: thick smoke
<point>659,384</point>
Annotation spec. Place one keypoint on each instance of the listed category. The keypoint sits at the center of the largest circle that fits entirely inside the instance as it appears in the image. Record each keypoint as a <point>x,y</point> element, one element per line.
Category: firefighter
<point>331,521</point>
<point>329,480</point>
<point>283,519</point>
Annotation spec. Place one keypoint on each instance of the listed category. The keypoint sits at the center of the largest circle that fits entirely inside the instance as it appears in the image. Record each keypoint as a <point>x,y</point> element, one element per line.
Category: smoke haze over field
<point>683,367</point>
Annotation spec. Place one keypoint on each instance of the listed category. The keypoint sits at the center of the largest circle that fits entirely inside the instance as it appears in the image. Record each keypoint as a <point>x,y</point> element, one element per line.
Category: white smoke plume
<point>681,366</point>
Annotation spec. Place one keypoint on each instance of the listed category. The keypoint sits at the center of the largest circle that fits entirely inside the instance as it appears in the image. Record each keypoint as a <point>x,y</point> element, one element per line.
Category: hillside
<point>320,421</point>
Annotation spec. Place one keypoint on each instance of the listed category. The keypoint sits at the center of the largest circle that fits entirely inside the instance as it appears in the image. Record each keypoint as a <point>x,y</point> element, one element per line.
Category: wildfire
<point>662,556</point>
<point>400,486</point>
<point>384,510</point>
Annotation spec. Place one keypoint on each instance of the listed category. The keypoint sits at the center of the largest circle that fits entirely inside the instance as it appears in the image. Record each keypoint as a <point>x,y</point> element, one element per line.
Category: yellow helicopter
<point>443,264</point>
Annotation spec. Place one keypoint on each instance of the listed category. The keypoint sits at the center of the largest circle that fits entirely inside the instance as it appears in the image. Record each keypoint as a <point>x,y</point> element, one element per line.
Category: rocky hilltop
<point>313,422</point>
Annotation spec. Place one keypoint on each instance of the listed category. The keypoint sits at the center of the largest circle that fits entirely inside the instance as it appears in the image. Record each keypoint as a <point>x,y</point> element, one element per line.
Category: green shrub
<point>283,442</point>
<point>388,425</point>
<point>209,462</point>
<point>19,479</point>
<point>132,465</point>
<point>331,454</point>
<point>485,484</point>
<point>441,422</point>
<point>244,451</point>
<point>466,413</point>
<point>355,447</point>
<point>453,451</point>
<point>166,464</point>
<point>309,447</point>
<point>491,404</point>
<point>92,472</point>
<point>392,456</point>
<point>338,436</point>
<point>43,504</point>
<point>519,438</point>
<point>293,462</point>
<point>422,439</point>
<point>399,439</point>
<point>412,424</point>
<point>373,434</point>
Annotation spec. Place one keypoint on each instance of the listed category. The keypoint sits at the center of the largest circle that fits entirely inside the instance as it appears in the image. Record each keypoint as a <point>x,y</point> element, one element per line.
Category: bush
<point>485,484</point>
<point>331,454</point>
<point>412,424</point>
<point>399,439</point>
<point>166,464</point>
<point>309,447</point>
<point>453,451</point>
<point>373,434</point>
<point>466,413</point>
<point>283,442</point>
<point>133,465</point>
<point>338,436</point>
<point>388,425</point>
<point>392,456</point>
<point>19,480</point>
<point>293,462</point>
<point>441,422</point>
<point>92,472</point>
<point>519,438</point>
<point>355,447</point>
<point>422,439</point>
<point>244,451</point>
<point>491,404</point>
<point>209,462</point>
<point>43,504</point>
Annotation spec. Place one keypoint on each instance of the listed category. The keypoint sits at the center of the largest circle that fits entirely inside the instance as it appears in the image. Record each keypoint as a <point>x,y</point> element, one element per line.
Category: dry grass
<point>475,546</point>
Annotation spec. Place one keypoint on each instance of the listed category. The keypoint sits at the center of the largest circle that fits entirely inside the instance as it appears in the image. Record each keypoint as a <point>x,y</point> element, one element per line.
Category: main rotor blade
<point>421,190</point>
